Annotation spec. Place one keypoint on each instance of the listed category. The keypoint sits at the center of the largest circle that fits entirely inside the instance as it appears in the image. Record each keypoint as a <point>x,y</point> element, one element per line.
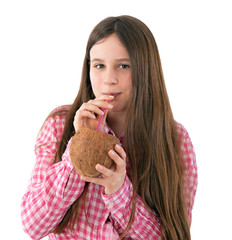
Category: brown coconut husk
<point>90,147</point>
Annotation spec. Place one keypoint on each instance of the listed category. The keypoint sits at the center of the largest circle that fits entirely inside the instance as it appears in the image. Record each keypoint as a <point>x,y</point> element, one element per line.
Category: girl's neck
<point>117,122</point>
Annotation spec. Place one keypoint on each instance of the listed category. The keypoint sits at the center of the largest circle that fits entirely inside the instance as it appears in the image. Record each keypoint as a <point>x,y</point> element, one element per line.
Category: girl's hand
<point>85,115</point>
<point>112,179</point>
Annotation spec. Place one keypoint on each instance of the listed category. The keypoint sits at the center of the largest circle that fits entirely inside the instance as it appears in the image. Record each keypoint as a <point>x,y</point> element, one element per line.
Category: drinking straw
<point>100,120</point>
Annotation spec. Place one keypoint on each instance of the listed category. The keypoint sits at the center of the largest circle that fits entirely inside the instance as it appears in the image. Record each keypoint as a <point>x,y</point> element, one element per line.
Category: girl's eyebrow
<point>96,60</point>
<point>123,60</point>
<point>117,60</point>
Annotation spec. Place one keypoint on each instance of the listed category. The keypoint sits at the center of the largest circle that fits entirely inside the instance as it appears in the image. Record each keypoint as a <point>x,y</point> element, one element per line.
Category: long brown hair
<point>153,149</point>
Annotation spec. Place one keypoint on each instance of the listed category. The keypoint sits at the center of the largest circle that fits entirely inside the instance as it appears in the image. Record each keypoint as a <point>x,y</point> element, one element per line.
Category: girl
<point>150,193</point>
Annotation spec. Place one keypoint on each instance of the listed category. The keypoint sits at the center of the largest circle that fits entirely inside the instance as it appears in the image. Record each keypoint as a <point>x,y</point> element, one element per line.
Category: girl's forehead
<point>107,47</point>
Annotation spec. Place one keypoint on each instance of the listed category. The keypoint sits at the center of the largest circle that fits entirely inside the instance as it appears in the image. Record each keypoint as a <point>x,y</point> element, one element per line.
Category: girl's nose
<point>110,77</point>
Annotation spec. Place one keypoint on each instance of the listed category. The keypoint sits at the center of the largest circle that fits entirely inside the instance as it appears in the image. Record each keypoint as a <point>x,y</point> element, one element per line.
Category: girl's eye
<point>124,66</point>
<point>99,66</point>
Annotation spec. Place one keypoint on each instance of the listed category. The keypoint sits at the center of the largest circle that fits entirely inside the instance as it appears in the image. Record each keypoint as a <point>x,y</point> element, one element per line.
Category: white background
<point>42,46</point>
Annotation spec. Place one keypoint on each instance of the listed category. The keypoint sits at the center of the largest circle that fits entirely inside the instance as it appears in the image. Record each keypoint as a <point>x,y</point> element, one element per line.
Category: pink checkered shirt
<point>54,187</point>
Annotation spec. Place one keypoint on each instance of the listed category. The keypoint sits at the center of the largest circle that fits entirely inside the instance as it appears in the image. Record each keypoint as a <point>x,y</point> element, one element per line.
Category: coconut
<point>90,147</point>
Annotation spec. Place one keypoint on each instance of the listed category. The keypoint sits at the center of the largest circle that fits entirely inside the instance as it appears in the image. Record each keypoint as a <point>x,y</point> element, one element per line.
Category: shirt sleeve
<point>146,224</point>
<point>190,175</point>
<point>52,188</point>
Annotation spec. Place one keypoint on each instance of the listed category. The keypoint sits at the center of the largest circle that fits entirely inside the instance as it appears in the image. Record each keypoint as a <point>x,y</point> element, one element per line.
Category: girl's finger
<point>91,108</point>
<point>105,97</point>
<point>120,151</point>
<point>99,181</point>
<point>103,170</point>
<point>101,104</point>
<point>120,163</point>
<point>87,114</point>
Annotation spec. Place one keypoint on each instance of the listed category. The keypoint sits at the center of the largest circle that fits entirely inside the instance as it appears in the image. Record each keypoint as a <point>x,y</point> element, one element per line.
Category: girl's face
<point>110,71</point>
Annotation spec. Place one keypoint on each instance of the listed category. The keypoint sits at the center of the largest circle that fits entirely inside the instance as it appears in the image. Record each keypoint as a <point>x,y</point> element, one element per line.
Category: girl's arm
<point>146,224</point>
<point>52,187</point>
<point>190,176</point>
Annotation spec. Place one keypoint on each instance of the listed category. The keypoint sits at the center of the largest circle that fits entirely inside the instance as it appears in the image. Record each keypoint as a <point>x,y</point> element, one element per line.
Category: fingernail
<point>109,105</point>
<point>117,146</point>
<point>98,166</point>
<point>111,152</point>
